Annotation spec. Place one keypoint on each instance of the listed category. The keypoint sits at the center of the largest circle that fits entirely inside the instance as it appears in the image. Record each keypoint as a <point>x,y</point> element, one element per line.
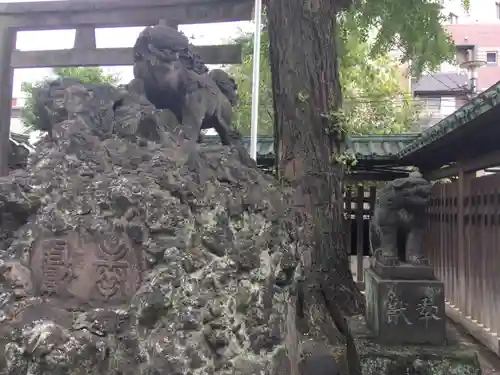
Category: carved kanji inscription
<point>112,268</point>
<point>106,271</point>
<point>54,260</point>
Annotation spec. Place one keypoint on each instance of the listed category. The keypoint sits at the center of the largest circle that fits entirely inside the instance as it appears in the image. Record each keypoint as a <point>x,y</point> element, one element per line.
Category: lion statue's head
<point>410,193</point>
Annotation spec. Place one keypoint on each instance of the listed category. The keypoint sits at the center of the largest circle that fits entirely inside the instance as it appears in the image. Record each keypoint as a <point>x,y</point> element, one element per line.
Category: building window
<point>491,58</point>
<point>452,18</point>
<point>497,8</point>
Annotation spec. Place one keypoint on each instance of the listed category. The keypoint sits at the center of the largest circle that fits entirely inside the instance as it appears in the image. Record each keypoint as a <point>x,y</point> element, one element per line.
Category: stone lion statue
<point>171,82</point>
<point>399,221</point>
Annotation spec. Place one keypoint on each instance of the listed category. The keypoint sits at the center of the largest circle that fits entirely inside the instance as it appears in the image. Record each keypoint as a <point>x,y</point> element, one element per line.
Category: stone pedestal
<point>405,311</point>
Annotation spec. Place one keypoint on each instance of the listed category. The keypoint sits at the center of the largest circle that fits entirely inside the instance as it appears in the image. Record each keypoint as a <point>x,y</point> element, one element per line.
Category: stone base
<point>456,357</point>
<point>402,271</point>
<point>405,311</point>
<point>459,356</point>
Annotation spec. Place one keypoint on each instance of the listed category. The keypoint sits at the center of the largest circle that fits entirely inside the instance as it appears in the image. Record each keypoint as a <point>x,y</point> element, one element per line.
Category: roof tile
<point>461,117</point>
<point>367,147</point>
<point>442,82</point>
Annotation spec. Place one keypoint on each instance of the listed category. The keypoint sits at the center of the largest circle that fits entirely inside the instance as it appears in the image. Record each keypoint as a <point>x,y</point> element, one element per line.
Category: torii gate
<point>85,17</point>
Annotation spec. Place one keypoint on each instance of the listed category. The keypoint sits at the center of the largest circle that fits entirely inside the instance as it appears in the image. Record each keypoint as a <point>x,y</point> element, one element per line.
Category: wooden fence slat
<point>453,241</point>
<point>462,240</point>
<point>495,263</point>
<point>467,306</point>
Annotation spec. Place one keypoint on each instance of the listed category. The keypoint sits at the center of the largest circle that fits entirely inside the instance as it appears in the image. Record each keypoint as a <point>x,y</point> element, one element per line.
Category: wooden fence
<point>358,207</point>
<point>463,239</point>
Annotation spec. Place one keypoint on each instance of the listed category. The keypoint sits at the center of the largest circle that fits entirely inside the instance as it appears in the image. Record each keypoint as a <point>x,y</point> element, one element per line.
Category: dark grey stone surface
<point>126,249</point>
<point>405,311</point>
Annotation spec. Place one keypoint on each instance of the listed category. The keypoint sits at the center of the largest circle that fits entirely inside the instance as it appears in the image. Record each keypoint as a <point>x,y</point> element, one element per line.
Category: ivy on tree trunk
<point>307,95</point>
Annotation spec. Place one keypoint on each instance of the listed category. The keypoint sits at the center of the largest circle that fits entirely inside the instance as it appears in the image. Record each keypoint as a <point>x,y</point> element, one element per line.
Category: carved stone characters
<point>107,271</point>
<point>399,221</point>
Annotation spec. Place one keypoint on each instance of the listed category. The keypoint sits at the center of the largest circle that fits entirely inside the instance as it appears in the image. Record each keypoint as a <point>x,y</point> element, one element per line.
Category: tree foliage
<point>85,74</point>
<point>414,27</point>
<point>243,76</point>
<point>376,100</point>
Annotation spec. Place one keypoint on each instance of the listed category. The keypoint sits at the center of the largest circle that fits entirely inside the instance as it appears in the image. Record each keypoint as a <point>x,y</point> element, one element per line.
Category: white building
<point>481,11</point>
<point>476,35</point>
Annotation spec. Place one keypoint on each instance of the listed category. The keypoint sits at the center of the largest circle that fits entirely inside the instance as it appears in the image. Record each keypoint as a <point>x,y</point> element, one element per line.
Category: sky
<point>201,34</point>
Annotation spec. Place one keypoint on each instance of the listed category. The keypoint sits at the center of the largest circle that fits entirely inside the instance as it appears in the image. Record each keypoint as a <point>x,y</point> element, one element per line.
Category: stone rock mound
<point>18,155</point>
<point>118,259</point>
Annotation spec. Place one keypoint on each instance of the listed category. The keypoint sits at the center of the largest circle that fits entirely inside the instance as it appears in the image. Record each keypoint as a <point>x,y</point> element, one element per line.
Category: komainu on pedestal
<point>404,300</point>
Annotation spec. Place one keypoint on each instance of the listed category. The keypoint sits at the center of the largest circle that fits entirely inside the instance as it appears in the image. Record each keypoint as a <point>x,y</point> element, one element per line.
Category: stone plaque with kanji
<point>405,311</point>
<point>104,271</point>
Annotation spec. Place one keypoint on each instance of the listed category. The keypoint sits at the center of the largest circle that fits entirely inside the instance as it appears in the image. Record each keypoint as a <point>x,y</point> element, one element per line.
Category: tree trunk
<point>307,94</point>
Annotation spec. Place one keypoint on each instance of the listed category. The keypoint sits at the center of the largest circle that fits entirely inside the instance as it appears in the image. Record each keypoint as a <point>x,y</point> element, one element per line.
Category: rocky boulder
<point>18,155</point>
<point>118,259</point>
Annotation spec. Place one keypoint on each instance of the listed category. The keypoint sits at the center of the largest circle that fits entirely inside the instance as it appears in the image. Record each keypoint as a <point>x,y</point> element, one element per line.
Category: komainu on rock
<point>174,79</point>
<point>399,220</point>
<point>116,259</point>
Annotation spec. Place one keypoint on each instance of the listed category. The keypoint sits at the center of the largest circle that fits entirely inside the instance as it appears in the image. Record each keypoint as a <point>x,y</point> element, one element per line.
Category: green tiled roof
<point>395,147</point>
<point>366,147</point>
<point>379,147</point>
<point>473,109</point>
<point>265,145</point>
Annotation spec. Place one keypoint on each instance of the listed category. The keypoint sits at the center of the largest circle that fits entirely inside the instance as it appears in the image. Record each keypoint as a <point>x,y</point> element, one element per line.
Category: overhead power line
<point>459,85</point>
